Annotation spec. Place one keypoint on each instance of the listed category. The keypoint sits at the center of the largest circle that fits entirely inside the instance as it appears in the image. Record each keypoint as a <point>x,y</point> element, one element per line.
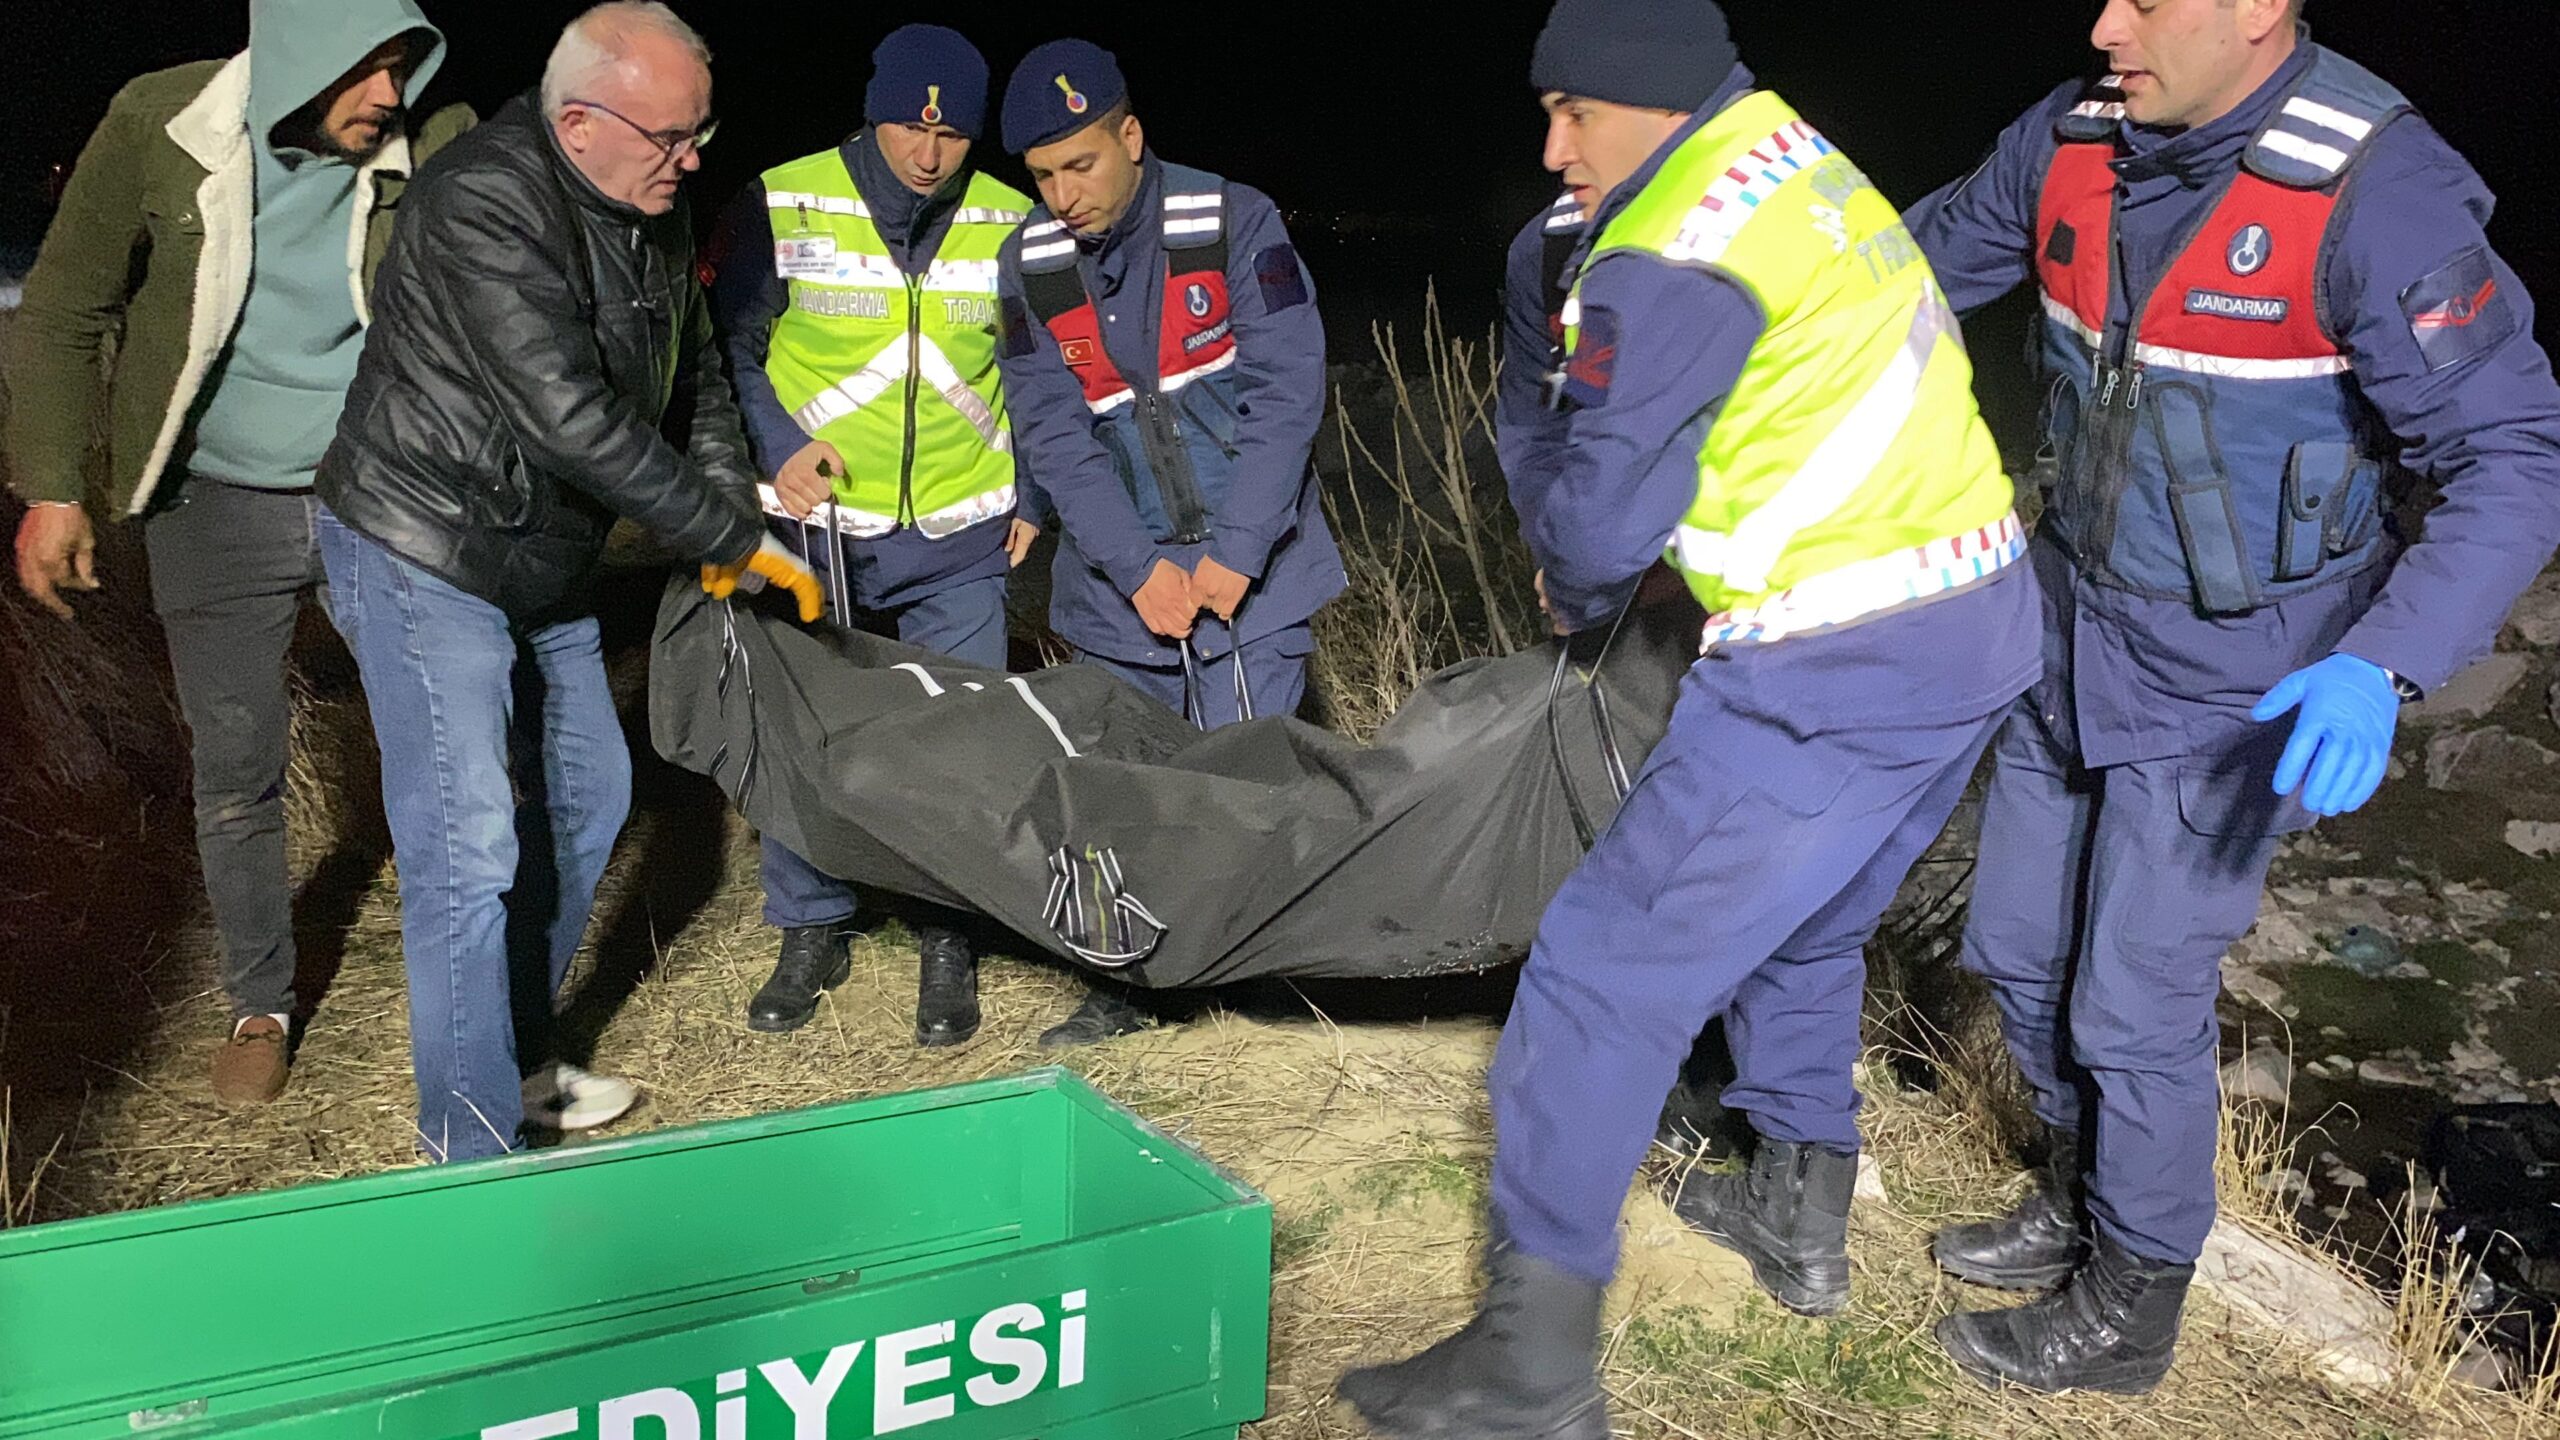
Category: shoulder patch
<point>1284,284</point>
<point>1594,361</point>
<point>2460,312</point>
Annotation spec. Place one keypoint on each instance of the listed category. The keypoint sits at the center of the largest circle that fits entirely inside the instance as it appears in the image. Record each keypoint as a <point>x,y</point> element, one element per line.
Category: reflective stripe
<point>2310,152</point>
<point>873,380</point>
<point>2229,367</point>
<point>1043,229</point>
<point>1172,383</point>
<point>1205,226</point>
<point>1200,200</point>
<point>859,210</point>
<point>938,372</point>
<point>1711,227</point>
<point>823,204</point>
<point>2099,110</point>
<point>853,392</point>
<point>971,277</point>
<point>857,270</point>
<point>1572,311</point>
<point>2064,314</point>
<point>1565,215</point>
<point>1049,251</point>
<point>1868,587</point>
<point>2328,117</point>
<point>866,525</point>
<point>2234,367</point>
<point>1837,466</point>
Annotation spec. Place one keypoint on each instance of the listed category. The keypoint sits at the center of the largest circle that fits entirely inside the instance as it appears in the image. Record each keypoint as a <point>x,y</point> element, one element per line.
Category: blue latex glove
<point>2342,738</point>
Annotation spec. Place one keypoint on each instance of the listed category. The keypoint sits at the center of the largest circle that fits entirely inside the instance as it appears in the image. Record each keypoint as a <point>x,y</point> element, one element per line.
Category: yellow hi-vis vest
<point>1849,471</point>
<point>898,372</point>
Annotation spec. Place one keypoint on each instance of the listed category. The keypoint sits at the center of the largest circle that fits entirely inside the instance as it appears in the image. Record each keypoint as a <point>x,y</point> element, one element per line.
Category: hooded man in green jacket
<point>224,229</point>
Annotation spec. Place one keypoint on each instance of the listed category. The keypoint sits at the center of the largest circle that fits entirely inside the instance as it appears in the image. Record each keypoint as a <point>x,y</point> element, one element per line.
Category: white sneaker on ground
<point>564,1097</point>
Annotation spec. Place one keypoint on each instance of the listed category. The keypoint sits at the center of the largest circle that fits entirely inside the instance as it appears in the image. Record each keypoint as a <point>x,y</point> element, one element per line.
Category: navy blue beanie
<point>1057,90</point>
<point>927,75</point>
<point>1658,54</point>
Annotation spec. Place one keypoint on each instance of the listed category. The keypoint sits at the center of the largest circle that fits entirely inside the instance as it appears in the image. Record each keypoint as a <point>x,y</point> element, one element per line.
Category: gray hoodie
<point>275,395</point>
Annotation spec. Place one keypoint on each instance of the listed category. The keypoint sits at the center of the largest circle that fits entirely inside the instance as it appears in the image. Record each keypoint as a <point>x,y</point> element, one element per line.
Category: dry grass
<point>1438,573</point>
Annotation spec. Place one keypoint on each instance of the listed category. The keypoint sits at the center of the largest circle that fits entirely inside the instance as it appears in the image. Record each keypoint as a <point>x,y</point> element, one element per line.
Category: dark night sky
<point>1417,107</point>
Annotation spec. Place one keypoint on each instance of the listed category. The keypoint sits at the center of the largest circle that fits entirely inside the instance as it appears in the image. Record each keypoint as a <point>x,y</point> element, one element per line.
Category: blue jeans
<point>965,622</point>
<point>492,893</point>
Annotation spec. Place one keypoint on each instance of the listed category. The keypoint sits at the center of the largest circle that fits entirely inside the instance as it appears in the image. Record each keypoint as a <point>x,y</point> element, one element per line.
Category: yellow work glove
<point>771,562</point>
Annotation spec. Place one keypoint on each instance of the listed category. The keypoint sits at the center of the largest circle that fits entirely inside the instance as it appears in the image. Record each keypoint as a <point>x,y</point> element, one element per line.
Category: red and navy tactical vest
<point>2218,449</point>
<point>1173,441</point>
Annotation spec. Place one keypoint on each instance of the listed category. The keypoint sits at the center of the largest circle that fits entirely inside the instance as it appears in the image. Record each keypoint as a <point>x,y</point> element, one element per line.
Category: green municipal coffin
<point>1012,1258</point>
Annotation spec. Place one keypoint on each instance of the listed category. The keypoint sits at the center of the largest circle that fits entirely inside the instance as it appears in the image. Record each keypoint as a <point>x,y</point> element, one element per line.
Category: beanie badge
<point>932,105</point>
<point>1076,103</point>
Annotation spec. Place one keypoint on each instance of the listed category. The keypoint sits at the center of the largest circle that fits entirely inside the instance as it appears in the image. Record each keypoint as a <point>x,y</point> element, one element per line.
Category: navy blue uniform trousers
<point>1766,834</point>
<point>1207,692</point>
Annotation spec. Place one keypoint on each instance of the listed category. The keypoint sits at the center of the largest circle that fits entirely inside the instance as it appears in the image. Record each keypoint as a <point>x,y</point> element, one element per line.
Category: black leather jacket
<point>541,361</point>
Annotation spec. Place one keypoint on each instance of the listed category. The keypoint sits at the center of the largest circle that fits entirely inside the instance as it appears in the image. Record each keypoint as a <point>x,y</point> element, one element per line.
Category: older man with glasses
<point>542,364</point>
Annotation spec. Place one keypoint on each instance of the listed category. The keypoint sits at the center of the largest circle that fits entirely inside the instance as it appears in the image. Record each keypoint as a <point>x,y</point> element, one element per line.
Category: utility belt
<point>1869,588</point>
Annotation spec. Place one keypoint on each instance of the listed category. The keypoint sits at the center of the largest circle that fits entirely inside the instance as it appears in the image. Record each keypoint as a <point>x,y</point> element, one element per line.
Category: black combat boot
<point>1526,1368</point>
<point>1107,1011</point>
<point>2037,1245</point>
<point>946,988</point>
<point>2113,1328</point>
<point>1788,1215</point>
<point>814,960</point>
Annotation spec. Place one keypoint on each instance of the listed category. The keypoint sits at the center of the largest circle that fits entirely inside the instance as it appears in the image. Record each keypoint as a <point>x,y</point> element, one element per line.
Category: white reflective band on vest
<point>968,277</point>
<point>888,368</point>
<point>859,210</point>
<point>864,525</point>
<point>1196,213</point>
<point>2099,110</point>
<point>1565,215</point>
<point>1050,251</point>
<point>859,271</point>
<point>1835,470</point>
<point>2228,367</point>
<point>1124,395</point>
<point>2310,152</point>
<point>2328,117</point>
<point>823,204</point>
<point>938,372</point>
<point>1869,587</point>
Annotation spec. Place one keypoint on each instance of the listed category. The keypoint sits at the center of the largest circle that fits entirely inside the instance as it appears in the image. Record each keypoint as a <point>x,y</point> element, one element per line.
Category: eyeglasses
<point>670,143</point>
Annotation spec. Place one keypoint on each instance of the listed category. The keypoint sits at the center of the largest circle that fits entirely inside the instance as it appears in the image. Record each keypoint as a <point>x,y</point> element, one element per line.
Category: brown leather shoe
<point>250,1068</point>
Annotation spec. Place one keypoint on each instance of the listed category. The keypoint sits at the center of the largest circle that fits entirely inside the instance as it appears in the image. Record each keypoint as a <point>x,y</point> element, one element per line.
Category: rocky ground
<point>2405,957</point>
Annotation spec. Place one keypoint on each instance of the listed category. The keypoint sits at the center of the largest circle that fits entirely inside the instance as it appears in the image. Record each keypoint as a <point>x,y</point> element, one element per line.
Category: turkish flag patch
<point>2460,312</point>
<point>1594,361</point>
